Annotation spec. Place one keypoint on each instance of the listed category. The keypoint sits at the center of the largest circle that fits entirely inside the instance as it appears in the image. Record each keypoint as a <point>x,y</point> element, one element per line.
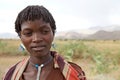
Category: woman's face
<point>37,37</point>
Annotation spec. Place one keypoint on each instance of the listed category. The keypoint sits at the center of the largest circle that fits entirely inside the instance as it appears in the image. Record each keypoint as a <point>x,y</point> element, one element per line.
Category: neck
<point>40,61</point>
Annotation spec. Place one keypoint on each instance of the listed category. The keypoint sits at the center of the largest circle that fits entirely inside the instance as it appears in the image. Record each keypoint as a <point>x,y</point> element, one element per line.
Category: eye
<point>45,31</point>
<point>27,33</point>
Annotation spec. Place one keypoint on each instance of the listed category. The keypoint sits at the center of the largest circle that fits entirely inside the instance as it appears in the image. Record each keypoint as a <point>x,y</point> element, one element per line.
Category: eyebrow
<point>45,24</point>
<point>26,28</point>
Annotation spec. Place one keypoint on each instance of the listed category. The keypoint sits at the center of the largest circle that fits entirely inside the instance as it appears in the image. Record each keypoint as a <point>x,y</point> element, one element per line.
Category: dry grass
<point>112,48</point>
<point>87,66</point>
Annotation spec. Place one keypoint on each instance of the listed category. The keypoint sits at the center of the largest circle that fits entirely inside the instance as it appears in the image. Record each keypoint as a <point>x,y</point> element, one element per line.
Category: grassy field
<point>99,59</point>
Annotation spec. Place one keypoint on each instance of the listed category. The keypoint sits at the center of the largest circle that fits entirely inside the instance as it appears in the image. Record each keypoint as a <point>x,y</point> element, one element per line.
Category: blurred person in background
<point>36,28</point>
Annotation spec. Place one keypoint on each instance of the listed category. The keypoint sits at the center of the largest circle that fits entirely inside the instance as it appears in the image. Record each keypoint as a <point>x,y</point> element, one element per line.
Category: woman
<point>36,28</point>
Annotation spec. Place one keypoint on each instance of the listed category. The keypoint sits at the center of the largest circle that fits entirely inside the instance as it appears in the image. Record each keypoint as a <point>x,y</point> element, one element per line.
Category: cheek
<point>26,42</point>
<point>49,39</point>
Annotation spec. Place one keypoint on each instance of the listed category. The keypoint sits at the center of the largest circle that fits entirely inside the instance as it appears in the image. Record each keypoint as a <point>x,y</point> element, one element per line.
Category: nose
<point>37,37</point>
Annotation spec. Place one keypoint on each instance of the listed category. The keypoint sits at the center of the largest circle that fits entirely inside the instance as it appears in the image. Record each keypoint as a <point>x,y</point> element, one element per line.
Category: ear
<point>19,34</point>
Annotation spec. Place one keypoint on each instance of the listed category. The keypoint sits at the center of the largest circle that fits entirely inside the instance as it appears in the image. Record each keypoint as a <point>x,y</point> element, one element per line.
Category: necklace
<point>43,64</point>
<point>40,66</point>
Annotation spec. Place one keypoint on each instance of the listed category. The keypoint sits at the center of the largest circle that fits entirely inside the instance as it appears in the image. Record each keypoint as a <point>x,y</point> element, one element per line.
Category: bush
<point>71,49</point>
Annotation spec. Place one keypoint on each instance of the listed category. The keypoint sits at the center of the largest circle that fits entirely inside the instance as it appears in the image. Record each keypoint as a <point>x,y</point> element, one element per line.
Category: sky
<point>68,14</point>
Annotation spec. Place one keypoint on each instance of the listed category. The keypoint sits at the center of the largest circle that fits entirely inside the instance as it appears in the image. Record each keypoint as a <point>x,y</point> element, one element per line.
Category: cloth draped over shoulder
<point>70,71</point>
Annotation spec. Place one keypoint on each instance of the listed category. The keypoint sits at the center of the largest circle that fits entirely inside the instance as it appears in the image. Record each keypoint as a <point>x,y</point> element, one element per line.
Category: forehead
<point>35,24</point>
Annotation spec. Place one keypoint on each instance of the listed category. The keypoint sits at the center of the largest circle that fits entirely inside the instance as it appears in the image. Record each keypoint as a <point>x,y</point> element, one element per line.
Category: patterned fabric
<point>70,70</point>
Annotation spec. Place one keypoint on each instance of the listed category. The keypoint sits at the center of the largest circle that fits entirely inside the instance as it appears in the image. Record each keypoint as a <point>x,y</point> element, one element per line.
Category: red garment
<point>62,70</point>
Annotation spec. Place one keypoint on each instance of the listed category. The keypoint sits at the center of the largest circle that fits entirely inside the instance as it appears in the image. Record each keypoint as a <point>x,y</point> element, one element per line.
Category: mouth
<point>38,48</point>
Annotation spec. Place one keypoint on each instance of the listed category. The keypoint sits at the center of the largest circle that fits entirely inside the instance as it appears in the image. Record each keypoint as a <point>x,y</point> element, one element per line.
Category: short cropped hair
<point>33,12</point>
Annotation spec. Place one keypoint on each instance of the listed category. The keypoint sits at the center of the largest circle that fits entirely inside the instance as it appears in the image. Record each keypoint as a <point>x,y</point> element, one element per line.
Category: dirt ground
<point>6,62</point>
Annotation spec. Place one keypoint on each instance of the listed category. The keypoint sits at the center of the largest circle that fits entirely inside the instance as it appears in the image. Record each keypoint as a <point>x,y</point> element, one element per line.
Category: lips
<point>38,48</point>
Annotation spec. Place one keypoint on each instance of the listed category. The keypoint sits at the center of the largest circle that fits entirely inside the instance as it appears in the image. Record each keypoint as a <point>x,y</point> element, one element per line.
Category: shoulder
<point>78,69</point>
<point>14,68</point>
<point>9,73</point>
<point>75,66</point>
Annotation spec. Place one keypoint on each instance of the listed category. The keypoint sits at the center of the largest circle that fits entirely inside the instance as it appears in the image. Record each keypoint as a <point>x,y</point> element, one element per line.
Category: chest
<point>54,74</point>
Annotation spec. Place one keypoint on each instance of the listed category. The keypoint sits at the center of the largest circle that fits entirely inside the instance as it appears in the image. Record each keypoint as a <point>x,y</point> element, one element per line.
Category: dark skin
<point>37,37</point>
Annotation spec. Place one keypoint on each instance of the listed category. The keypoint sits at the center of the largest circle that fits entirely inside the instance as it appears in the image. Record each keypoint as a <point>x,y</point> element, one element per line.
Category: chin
<point>40,53</point>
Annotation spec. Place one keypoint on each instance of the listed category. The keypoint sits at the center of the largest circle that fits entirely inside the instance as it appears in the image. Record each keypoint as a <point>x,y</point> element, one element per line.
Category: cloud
<point>68,14</point>
<point>65,22</point>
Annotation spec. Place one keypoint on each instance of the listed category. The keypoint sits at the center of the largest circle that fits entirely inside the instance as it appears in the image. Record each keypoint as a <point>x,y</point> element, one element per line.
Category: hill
<point>8,36</point>
<point>96,33</point>
<point>105,35</point>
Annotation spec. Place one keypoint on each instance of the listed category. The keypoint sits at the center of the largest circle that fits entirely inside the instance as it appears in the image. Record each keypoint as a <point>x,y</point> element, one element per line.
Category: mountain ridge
<point>93,33</point>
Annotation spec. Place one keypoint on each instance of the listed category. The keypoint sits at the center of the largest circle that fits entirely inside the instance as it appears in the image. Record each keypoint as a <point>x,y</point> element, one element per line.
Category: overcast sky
<point>68,14</point>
